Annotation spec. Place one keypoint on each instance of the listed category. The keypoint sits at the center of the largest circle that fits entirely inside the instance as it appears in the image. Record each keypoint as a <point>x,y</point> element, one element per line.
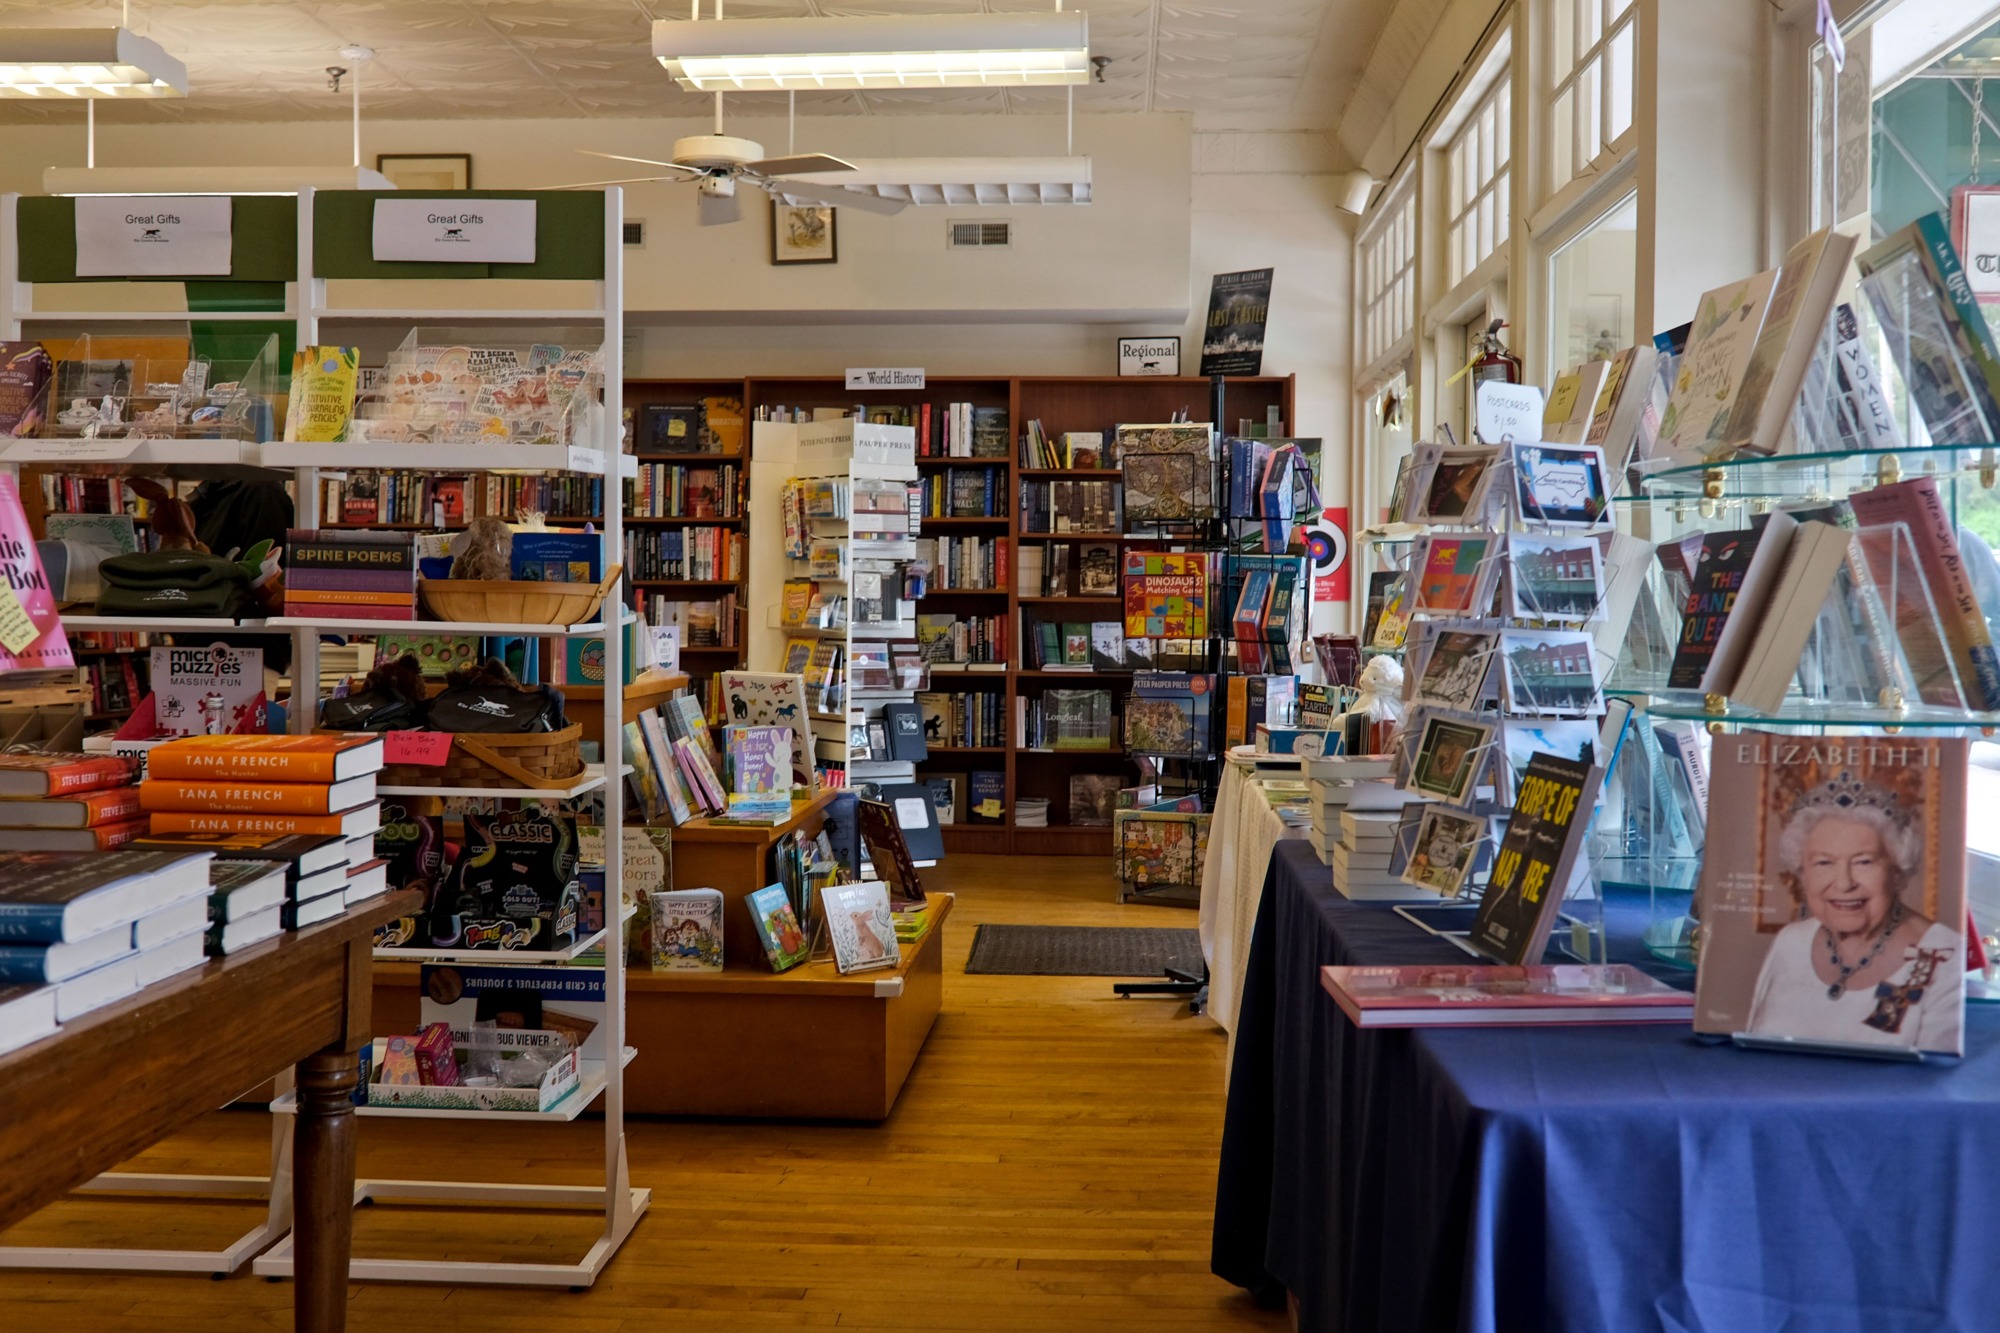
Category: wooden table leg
<point>323,1211</point>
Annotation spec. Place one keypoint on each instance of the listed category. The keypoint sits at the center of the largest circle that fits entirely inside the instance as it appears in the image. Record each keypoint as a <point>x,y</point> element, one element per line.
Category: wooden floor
<point>1051,1166</point>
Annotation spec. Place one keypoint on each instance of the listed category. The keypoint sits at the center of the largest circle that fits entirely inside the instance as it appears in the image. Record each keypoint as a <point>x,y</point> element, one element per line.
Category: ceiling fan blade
<point>715,210</point>
<point>620,157</point>
<point>835,196</point>
<point>629,180</point>
<point>793,166</point>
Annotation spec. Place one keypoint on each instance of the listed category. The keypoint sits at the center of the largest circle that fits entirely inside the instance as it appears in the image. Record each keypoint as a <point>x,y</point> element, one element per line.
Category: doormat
<point>1084,951</point>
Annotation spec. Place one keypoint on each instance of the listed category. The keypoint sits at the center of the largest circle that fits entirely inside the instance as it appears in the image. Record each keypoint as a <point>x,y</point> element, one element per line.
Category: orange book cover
<point>108,805</point>
<point>187,821</point>
<point>59,774</point>
<point>275,798</point>
<point>279,758</point>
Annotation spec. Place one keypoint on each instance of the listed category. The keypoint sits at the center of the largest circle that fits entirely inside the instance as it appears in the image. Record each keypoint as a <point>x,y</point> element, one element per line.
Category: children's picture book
<point>1710,373</point>
<point>760,770</point>
<point>1166,595</point>
<point>1452,751</point>
<point>1531,871</point>
<point>773,698</point>
<point>1454,572</point>
<point>1550,672</point>
<point>672,784</point>
<point>557,557</point>
<point>687,930</point>
<point>1446,847</point>
<point>320,403</point>
<point>1555,579</point>
<point>777,927</point>
<point>1563,485</point>
<point>1832,896</point>
<point>860,926</point>
<point>212,691</point>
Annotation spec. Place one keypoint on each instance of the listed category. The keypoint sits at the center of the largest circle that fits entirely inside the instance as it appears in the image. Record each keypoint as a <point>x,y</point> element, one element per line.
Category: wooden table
<point>736,858</point>
<point>111,1083</point>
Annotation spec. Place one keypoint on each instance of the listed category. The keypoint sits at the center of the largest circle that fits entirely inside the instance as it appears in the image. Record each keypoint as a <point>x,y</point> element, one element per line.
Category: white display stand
<point>308,305</point>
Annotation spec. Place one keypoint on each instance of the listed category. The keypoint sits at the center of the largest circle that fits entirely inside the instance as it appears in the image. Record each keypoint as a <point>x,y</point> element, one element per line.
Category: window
<point>1593,289</point>
<point>1387,261</point>
<point>1590,84</point>
<point>1476,199</point>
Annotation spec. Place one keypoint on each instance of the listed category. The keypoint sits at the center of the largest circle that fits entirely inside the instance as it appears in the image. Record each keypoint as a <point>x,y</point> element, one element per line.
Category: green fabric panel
<point>264,239</point>
<point>569,237</point>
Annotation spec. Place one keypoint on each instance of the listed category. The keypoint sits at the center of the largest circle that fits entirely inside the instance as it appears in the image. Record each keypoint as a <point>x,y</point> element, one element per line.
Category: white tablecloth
<point>1240,838</point>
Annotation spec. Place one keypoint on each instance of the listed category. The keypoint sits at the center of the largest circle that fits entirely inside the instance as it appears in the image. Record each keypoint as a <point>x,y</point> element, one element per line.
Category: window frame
<point>1557,21</point>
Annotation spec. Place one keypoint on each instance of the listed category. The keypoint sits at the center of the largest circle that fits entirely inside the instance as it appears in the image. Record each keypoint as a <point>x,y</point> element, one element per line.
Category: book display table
<point>104,1087</point>
<point>1580,1178</point>
<point>1241,838</point>
<point>736,858</point>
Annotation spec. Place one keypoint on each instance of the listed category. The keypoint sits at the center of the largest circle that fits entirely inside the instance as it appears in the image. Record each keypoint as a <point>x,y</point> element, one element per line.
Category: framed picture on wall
<point>803,235</point>
<point>427,171</point>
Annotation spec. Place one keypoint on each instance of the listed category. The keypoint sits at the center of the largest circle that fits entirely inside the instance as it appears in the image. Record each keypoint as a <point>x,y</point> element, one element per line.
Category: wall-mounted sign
<point>455,231</point>
<point>152,236</point>
<point>885,377</point>
<point>1975,211</point>
<point>1149,356</point>
<point>1326,544</point>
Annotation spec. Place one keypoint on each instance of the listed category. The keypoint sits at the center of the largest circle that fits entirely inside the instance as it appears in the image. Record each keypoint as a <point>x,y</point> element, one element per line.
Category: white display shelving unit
<point>781,451</point>
<point>307,304</point>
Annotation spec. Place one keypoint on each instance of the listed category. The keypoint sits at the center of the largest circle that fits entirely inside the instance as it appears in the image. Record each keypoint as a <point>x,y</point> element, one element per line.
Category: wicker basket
<point>535,760</point>
<point>509,602</point>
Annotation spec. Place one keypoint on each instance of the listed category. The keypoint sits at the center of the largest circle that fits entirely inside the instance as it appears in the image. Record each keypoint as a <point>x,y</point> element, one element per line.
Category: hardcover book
<point>320,403</point>
<point>85,810</point>
<point>358,822</point>
<point>1918,504</point>
<point>687,930</point>
<point>25,369</point>
<point>284,798</point>
<point>1430,996</point>
<point>62,897</point>
<point>31,633</point>
<point>1719,572</point>
<point>767,698</point>
<point>760,761</point>
<point>1710,373</point>
<point>1531,873</point>
<point>267,758</point>
<point>62,774</point>
<point>986,796</point>
<point>1923,303</point>
<point>1801,305</point>
<point>1832,895</point>
<point>861,926</point>
<point>777,927</point>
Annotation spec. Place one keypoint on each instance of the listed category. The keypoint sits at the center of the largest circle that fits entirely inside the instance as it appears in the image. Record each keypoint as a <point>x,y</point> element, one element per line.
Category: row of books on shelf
<point>1056,505</point>
<point>968,640</point>
<point>679,490</point>
<point>115,683</point>
<point>964,492</point>
<point>972,719</point>
<point>704,553</point>
<point>1065,719</point>
<point>957,430</point>
<point>71,493</point>
<point>569,494</point>
<point>1080,450</point>
<point>1064,569</point>
<point>1098,645</point>
<point>394,496</point>
<point>703,622</point>
<point>961,563</point>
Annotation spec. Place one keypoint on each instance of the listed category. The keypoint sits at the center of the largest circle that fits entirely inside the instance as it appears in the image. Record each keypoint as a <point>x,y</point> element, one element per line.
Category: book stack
<point>79,930</point>
<point>315,874</point>
<point>306,801</point>
<point>354,575</point>
<point>68,802</point>
<point>1330,787</point>
<point>1365,861</point>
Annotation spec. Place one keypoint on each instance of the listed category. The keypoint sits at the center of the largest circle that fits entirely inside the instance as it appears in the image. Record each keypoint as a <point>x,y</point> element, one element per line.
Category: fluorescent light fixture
<point>918,51</point>
<point>209,180</point>
<point>54,63</point>
<point>961,180</point>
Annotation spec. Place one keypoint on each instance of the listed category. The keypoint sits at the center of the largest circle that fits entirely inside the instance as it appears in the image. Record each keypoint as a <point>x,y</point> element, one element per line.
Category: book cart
<point>579,243</point>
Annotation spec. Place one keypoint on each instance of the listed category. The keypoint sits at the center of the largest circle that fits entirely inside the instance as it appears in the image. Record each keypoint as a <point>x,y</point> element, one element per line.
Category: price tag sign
<point>152,236</point>
<point>885,377</point>
<point>432,749</point>
<point>70,451</point>
<point>1510,413</point>
<point>456,231</point>
<point>17,631</point>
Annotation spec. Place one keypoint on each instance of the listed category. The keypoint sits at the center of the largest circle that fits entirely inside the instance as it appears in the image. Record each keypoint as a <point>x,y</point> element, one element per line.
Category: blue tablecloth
<point>1563,1179</point>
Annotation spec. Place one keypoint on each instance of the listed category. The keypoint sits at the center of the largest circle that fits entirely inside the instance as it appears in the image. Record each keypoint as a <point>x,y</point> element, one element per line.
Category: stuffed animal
<point>484,550</point>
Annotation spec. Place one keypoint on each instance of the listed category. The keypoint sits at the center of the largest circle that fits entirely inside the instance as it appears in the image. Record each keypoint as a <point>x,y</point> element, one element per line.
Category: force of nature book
<point>687,930</point>
<point>321,401</point>
<point>777,926</point>
<point>1706,382</point>
<point>1552,808</point>
<point>31,633</point>
<point>1832,895</point>
<point>1431,996</point>
<point>860,925</point>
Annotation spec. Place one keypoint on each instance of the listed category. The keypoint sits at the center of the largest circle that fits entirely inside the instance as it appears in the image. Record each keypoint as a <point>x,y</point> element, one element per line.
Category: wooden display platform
<point>736,858</point>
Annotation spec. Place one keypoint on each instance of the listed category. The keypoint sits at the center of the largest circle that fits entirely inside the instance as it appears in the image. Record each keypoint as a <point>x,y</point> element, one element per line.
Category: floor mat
<point>1084,951</point>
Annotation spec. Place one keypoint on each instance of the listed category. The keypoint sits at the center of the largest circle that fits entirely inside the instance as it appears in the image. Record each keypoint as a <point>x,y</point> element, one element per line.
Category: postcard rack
<point>332,229</point>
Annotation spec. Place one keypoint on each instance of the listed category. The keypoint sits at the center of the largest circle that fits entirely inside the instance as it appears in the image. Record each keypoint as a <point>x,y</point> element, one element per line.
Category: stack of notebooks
<point>79,930</point>
<point>306,803</point>
<point>68,802</point>
<point>358,575</point>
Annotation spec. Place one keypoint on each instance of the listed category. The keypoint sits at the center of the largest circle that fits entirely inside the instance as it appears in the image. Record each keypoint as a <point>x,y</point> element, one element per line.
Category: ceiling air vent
<point>635,232</point>
<point>979,235</point>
